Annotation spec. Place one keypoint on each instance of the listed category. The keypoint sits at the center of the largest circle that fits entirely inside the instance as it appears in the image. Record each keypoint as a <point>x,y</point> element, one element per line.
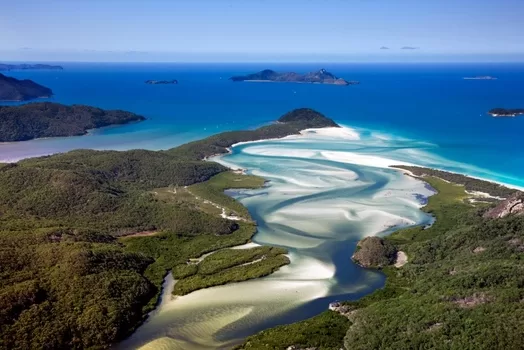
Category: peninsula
<point>24,66</point>
<point>46,119</point>
<point>12,89</point>
<point>161,82</point>
<point>319,77</point>
<point>113,224</point>
<point>503,112</point>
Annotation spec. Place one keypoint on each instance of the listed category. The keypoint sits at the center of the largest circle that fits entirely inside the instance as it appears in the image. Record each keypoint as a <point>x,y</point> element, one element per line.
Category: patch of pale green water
<point>318,204</point>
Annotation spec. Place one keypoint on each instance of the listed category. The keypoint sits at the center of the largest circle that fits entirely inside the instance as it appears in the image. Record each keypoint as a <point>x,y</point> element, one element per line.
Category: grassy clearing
<point>213,190</point>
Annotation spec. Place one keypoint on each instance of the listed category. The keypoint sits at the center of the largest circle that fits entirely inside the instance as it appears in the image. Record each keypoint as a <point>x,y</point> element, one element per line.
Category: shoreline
<point>392,164</point>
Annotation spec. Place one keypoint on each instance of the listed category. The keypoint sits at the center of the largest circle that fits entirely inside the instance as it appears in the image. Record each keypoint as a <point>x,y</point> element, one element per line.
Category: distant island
<point>482,77</point>
<point>503,112</point>
<point>46,119</point>
<point>12,89</point>
<point>161,82</point>
<point>320,77</point>
<point>24,66</point>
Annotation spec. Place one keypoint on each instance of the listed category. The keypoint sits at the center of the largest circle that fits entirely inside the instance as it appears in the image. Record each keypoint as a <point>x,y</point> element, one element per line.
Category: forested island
<point>12,89</point>
<point>503,112</point>
<point>46,119</point>
<point>459,285</point>
<point>87,237</point>
<point>319,77</point>
<point>25,66</point>
<point>161,82</point>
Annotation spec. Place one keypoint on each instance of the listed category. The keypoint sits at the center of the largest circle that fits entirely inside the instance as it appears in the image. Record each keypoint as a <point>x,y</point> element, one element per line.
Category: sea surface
<point>423,102</point>
<point>327,188</point>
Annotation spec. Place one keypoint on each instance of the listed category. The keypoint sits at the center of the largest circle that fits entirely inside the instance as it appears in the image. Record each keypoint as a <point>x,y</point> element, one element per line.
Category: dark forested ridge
<point>12,89</point>
<point>68,279</point>
<point>46,119</point>
<point>289,124</point>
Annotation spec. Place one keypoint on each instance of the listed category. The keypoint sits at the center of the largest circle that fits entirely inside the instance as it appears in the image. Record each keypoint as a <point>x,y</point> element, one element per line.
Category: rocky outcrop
<point>375,252</point>
<point>512,205</point>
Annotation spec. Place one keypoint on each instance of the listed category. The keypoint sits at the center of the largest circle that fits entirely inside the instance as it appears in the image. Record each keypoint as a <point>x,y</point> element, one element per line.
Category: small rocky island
<point>503,112</point>
<point>12,89</point>
<point>24,66</point>
<point>319,77</point>
<point>46,119</point>
<point>375,252</point>
<point>161,82</point>
<point>481,77</point>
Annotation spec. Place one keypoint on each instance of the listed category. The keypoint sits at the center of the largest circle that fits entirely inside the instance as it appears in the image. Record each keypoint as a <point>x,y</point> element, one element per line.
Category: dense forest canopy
<point>46,119</point>
<point>12,89</point>
<point>61,217</point>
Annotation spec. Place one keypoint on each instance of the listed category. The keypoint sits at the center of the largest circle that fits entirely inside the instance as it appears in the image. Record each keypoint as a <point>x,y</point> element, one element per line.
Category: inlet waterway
<point>327,189</point>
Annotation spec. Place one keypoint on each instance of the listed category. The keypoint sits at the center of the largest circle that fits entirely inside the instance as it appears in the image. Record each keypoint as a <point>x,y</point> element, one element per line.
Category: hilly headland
<point>12,89</point>
<point>46,119</point>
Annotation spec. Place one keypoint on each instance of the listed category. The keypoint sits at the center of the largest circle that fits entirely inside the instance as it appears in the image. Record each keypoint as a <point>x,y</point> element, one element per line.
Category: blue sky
<point>238,30</point>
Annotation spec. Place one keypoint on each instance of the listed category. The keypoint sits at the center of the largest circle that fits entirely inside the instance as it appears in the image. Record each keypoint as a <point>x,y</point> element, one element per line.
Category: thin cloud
<point>384,48</point>
<point>409,48</point>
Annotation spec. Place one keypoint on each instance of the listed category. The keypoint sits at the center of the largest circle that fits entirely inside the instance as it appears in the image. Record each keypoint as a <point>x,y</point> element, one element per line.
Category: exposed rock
<point>401,259</point>
<point>375,252</point>
<point>343,309</point>
<point>472,301</point>
<point>512,205</point>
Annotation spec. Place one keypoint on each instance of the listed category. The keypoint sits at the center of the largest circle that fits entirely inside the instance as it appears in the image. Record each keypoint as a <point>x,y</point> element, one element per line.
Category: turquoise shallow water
<point>425,102</point>
<point>321,199</point>
<point>327,188</point>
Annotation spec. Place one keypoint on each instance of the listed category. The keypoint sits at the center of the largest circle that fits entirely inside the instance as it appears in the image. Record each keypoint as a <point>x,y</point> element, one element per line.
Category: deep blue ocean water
<point>425,102</point>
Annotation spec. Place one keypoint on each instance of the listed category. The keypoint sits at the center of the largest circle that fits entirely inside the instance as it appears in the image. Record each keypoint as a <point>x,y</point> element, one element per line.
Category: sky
<point>258,30</point>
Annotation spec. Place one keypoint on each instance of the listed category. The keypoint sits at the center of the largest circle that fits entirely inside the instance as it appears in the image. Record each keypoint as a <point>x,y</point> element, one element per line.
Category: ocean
<point>327,189</point>
<point>423,102</point>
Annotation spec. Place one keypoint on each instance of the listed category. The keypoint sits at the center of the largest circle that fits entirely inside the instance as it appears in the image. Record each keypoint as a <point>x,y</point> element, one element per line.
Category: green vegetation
<point>289,124</point>
<point>69,276</point>
<point>375,252</point>
<point>12,89</point>
<point>46,119</point>
<point>469,183</point>
<point>462,288</point>
<point>213,190</point>
<point>323,332</point>
<point>227,266</point>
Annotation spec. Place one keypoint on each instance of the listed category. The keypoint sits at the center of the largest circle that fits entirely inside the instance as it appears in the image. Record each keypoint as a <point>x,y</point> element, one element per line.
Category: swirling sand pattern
<point>318,204</point>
